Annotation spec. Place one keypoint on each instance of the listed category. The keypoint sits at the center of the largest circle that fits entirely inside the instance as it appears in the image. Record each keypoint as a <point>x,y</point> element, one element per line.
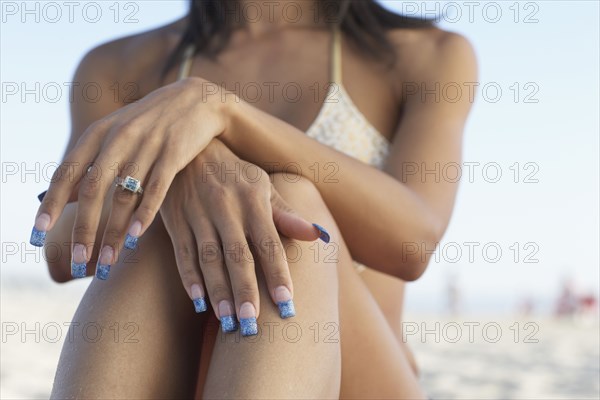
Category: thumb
<point>290,224</point>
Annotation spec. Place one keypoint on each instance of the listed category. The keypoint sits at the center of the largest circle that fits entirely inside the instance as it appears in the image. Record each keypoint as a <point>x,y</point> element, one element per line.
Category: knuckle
<point>128,127</point>
<point>245,291</point>
<point>112,233</point>
<point>238,255</point>
<point>185,253</point>
<point>254,188</point>
<point>146,212</point>
<point>49,203</point>
<point>218,194</point>
<point>64,172</point>
<point>211,254</point>
<point>154,141</point>
<point>123,198</point>
<point>93,128</point>
<point>277,276</point>
<point>89,189</point>
<point>268,246</point>
<point>96,125</point>
<point>187,273</point>
<point>82,229</point>
<point>263,179</point>
<point>172,139</point>
<point>218,290</point>
<point>156,187</point>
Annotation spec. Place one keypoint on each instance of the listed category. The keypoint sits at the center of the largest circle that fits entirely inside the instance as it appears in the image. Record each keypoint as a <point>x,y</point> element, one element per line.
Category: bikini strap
<point>186,65</point>
<point>336,56</point>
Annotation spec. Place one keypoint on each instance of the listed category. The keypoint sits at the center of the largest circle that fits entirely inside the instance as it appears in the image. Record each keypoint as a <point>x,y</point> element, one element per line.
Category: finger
<point>271,256</point>
<point>242,275</point>
<point>214,273</point>
<point>154,192</point>
<point>92,191</point>
<point>122,207</point>
<point>64,180</point>
<point>124,202</point>
<point>292,225</point>
<point>186,257</point>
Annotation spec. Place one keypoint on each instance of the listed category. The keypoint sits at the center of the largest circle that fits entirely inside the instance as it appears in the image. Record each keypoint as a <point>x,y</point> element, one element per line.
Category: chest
<point>292,82</point>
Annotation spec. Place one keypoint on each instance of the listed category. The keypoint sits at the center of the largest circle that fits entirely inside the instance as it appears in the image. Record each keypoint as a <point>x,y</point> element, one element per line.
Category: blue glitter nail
<point>78,270</point>
<point>42,195</point>
<point>200,304</point>
<point>228,323</point>
<point>286,309</point>
<point>130,242</point>
<point>37,238</point>
<point>248,326</point>
<point>102,271</point>
<point>324,236</point>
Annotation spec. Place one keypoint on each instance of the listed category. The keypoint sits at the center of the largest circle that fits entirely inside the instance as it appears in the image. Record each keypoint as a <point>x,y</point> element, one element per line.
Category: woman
<point>238,154</point>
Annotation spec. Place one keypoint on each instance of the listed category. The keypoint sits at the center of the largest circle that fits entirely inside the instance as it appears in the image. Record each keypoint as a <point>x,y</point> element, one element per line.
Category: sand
<point>549,359</point>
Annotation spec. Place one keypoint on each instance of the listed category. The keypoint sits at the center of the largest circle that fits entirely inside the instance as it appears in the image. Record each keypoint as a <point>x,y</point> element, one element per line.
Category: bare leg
<point>373,364</point>
<point>164,362</point>
<point>289,358</point>
<point>388,292</point>
<point>156,351</point>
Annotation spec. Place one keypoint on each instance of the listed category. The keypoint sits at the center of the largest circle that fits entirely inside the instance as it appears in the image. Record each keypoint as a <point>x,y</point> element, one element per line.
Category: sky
<point>526,215</point>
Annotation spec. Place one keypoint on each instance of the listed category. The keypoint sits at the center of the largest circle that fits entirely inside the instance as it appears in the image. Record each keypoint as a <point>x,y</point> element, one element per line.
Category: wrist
<point>229,109</point>
<point>211,97</point>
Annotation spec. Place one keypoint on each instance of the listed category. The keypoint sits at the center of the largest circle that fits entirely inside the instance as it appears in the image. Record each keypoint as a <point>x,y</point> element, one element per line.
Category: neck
<point>270,16</point>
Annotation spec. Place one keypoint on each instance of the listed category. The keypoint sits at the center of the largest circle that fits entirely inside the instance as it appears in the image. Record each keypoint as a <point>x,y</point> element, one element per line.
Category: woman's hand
<point>220,213</point>
<point>150,140</point>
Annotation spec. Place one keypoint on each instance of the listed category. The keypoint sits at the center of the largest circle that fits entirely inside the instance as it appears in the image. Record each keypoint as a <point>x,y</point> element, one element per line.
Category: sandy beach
<point>482,357</point>
<point>509,358</point>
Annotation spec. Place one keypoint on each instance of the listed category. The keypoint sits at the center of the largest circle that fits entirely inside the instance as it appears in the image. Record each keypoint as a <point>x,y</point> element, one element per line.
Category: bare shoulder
<point>120,72</point>
<point>135,60</point>
<point>433,54</point>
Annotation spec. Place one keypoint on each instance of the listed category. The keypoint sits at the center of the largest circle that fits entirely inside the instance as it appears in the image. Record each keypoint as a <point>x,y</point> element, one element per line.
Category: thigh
<point>374,365</point>
<point>388,292</point>
<point>151,336</point>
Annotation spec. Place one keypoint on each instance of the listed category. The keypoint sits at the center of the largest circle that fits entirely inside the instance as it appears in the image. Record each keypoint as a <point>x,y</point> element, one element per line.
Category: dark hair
<point>364,22</point>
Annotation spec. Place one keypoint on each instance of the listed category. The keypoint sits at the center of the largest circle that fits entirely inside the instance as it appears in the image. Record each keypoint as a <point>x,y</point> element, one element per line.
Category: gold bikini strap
<point>336,56</point>
<point>186,65</point>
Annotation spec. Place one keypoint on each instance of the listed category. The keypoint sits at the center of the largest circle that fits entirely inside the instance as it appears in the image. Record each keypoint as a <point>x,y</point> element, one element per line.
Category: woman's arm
<point>161,133</point>
<point>390,220</point>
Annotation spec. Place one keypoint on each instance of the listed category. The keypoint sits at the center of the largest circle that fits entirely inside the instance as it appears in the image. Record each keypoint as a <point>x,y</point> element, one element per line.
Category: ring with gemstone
<point>129,183</point>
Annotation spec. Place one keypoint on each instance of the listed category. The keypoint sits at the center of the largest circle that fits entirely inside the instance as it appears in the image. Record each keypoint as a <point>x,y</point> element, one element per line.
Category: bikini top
<point>339,123</point>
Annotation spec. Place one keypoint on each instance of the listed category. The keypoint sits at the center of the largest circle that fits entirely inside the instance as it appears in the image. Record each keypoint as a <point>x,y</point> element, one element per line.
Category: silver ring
<point>129,183</point>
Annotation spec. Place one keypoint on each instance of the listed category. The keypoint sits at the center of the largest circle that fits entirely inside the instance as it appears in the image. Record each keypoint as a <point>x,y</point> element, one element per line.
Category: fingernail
<point>38,233</point>
<point>248,326</point>
<point>132,235</point>
<point>104,261</point>
<point>42,195</point>
<point>198,298</point>
<point>227,316</point>
<point>79,261</point>
<point>323,234</point>
<point>283,297</point>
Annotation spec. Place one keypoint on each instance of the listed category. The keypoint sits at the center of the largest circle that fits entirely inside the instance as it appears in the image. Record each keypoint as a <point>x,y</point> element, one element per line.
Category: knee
<point>299,192</point>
